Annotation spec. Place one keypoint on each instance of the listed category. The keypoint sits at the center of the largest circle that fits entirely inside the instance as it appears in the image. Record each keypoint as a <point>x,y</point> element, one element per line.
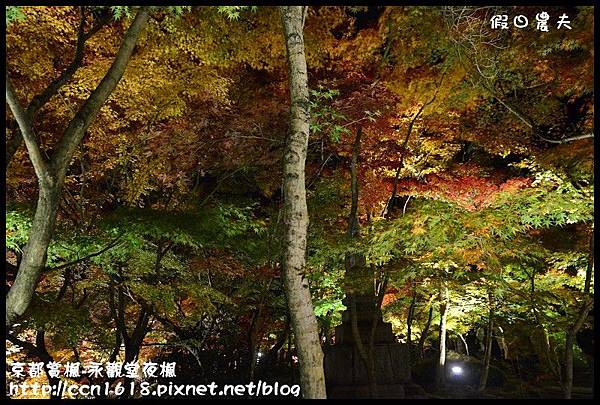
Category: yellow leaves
<point>32,43</point>
<point>209,38</point>
<point>471,256</point>
<point>418,227</point>
<point>140,183</point>
<point>418,230</point>
<point>483,231</point>
<point>78,90</point>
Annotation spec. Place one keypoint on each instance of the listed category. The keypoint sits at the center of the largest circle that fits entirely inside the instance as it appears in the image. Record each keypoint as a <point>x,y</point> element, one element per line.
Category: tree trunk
<point>440,375</point>
<point>409,321</point>
<point>425,332</point>
<point>464,342</point>
<point>40,342</point>
<point>253,344</point>
<point>554,368</point>
<point>502,342</point>
<point>295,213</point>
<point>388,207</point>
<point>34,255</point>
<point>272,356</point>
<point>353,225</point>
<point>586,306</point>
<point>567,373</point>
<point>136,339</point>
<point>353,232</point>
<point>51,174</point>
<point>488,345</point>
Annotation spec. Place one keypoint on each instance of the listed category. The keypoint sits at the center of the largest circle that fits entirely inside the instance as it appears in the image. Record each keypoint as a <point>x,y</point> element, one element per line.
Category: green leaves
<point>178,10</point>
<point>14,14</point>
<point>324,118</point>
<point>17,229</point>
<point>234,12</point>
<point>119,11</point>
<point>445,231</point>
<point>322,93</point>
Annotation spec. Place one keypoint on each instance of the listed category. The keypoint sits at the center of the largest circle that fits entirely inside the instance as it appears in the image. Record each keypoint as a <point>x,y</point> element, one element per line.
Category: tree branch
<point>41,99</point>
<point>98,253</point>
<point>566,140</point>
<point>388,206</point>
<point>83,118</point>
<point>39,163</point>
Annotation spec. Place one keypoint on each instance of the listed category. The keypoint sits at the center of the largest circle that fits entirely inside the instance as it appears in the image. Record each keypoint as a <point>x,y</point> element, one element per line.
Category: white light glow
<point>457,370</point>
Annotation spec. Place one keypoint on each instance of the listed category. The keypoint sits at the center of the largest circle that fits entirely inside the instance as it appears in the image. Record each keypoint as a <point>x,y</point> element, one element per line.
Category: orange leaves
<point>219,261</point>
<point>469,191</point>
<point>516,184</point>
<point>189,306</point>
<point>334,44</point>
<point>472,256</point>
<point>388,298</point>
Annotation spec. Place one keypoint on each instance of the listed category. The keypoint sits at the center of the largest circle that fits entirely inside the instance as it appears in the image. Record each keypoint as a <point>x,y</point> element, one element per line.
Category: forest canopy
<point>229,188</point>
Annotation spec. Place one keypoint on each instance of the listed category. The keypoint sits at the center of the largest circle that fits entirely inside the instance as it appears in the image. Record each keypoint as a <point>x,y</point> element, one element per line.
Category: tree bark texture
<point>295,213</point>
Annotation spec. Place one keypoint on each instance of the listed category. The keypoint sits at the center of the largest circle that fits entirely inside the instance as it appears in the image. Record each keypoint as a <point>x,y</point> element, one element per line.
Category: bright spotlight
<point>457,370</point>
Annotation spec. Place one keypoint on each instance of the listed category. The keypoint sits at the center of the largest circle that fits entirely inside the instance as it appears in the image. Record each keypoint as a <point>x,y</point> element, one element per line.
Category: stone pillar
<point>345,371</point>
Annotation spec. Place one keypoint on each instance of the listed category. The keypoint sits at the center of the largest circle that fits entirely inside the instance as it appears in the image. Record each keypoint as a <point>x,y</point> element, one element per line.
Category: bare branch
<point>567,140</point>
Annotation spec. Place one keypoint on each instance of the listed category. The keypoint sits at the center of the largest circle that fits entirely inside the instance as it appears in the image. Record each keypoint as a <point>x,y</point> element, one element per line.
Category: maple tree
<point>154,156</point>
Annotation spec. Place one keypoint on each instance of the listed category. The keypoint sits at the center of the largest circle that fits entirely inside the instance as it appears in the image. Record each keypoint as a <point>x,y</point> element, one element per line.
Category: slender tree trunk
<point>425,332</point>
<point>304,321</point>
<point>354,232</point>
<point>440,376</point>
<point>464,342</point>
<point>136,339</point>
<point>502,342</point>
<point>253,335</point>
<point>253,344</point>
<point>586,306</point>
<point>51,174</point>
<point>40,342</point>
<point>388,207</point>
<point>554,368</point>
<point>409,321</point>
<point>488,344</point>
<point>353,225</point>
<point>567,373</point>
<point>272,356</point>
<point>374,322</point>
